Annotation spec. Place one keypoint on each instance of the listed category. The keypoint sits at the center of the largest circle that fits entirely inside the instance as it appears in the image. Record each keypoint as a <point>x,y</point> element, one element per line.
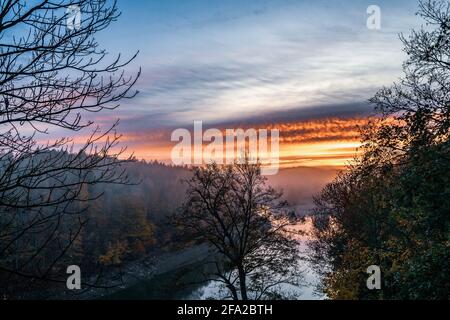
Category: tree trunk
<point>242,283</point>
<point>233,291</point>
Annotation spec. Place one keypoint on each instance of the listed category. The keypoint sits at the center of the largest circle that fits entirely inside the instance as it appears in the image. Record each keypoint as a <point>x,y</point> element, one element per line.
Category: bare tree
<point>52,76</point>
<point>248,226</point>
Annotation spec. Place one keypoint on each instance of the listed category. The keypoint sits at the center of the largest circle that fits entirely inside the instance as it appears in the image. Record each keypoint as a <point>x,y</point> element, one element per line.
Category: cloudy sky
<point>306,66</point>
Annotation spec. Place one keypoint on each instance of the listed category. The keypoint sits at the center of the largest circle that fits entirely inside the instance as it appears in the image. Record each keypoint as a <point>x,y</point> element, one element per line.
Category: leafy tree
<point>391,207</point>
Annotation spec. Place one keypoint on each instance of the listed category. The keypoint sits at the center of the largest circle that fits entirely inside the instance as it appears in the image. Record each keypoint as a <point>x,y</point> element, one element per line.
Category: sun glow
<point>312,143</point>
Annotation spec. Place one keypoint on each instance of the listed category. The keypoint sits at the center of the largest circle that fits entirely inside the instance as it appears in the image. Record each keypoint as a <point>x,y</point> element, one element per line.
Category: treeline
<point>391,208</point>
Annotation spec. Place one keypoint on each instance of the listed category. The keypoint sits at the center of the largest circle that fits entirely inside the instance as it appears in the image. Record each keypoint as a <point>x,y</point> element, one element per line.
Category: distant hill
<point>162,190</point>
<point>300,184</point>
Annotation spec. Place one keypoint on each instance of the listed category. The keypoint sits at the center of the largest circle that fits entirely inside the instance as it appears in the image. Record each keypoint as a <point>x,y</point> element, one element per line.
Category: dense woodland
<point>126,223</point>
<point>129,221</point>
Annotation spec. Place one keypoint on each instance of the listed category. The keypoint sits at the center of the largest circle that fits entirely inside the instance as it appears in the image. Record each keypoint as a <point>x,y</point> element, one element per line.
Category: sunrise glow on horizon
<point>320,143</point>
<point>267,64</point>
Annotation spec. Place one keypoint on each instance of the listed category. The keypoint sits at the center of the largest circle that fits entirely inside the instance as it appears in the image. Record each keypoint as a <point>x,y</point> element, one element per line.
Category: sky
<point>306,67</point>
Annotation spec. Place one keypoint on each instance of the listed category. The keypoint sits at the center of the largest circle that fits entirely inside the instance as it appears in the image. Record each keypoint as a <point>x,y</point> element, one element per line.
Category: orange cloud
<point>328,142</point>
<point>313,143</point>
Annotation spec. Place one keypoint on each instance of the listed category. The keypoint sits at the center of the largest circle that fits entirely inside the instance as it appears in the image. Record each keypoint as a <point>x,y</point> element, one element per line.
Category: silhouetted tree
<point>52,76</point>
<point>248,227</point>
